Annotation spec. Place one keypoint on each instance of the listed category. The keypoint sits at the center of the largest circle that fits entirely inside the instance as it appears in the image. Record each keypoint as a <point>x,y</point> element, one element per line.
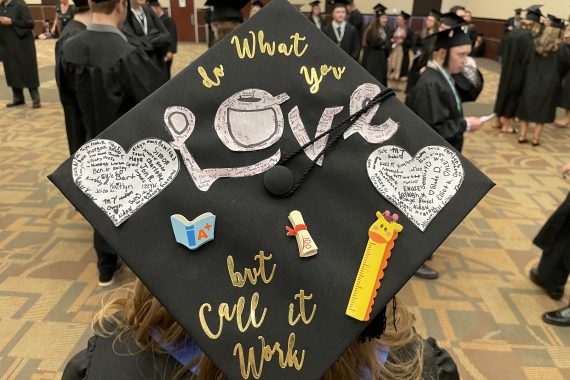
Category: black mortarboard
<point>405,15</point>
<point>435,14</point>
<point>154,3</point>
<point>315,3</point>
<point>556,22</point>
<point>379,9</point>
<point>339,3</point>
<point>451,19</point>
<point>518,10</point>
<point>533,13</point>
<point>257,4</point>
<point>227,10</point>
<point>177,188</point>
<point>449,38</point>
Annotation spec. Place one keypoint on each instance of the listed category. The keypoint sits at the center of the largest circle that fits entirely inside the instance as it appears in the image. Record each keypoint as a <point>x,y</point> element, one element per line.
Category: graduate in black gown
<point>355,18</point>
<point>553,270</point>
<point>516,52</point>
<point>19,51</point>
<point>316,16</point>
<point>435,98</point>
<point>541,92</point>
<point>172,34</point>
<point>564,67</point>
<point>104,77</point>
<point>512,22</point>
<point>74,128</point>
<point>343,33</point>
<point>423,51</point>
<point>377,46</point>
<point>144,30</point>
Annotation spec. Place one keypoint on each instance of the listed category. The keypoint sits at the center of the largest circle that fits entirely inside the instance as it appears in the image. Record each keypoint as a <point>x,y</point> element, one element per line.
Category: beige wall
<point>503,9</point>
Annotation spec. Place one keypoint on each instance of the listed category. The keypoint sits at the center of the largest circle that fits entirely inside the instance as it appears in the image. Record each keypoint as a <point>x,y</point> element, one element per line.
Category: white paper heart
<point>420,186</point>
<point>120,183</point>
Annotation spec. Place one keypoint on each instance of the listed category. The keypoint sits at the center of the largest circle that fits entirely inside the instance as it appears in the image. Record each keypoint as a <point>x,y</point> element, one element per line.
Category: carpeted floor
<point>483,308</point>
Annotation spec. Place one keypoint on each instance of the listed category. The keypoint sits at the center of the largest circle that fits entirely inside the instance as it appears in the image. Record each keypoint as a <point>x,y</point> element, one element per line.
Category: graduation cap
<point>339,3</point>
<point>451,19</point>
<point>556,22</point>
<point>456,36</point>
<point>227,10</point>
<point>154,3</point>
<point>518,11</point>
<point>379,9</point>
<point>405,15</point>
<point>183,185</point>
<point>533,13</point>
<point>435,14</point>
<point>315,3</point>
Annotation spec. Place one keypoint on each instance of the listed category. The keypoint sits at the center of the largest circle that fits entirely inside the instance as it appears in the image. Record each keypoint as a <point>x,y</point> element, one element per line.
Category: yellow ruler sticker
<point>381,236</point>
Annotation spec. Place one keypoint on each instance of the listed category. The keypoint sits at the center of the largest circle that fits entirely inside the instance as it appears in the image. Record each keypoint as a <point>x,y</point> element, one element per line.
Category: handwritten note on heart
<point>120,183</point>
<point>419,186</point>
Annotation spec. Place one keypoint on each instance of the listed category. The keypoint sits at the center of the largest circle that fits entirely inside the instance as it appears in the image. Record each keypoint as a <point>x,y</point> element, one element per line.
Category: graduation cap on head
<point>556,22</point>
<point>195,186</point>
<point>339,3</point>
<point>451,20</point>
<point>435,14</point>
<point>379,9</point>
<point>518,10</point>
<point>315,3</point>
<point>227,10</point>
<point>456,36</point>
<point>154,3</point>
<point>405,15</point>
<point>533,13</point>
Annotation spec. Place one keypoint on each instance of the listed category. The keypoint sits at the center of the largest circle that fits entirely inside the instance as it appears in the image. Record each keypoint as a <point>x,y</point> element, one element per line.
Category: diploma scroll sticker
<point>307,246</point>
<point>381,237</point>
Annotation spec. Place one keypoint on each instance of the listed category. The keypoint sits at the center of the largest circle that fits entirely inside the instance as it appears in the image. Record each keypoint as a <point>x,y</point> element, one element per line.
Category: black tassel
<point>375,329</point>
<point>378,325</point>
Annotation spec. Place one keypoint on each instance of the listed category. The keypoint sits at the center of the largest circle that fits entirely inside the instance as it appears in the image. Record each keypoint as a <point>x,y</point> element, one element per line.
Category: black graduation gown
<point>554,237</point>
<point>108,358</point>
<point>541,89</point>
<point>172,38</point>
<point>155,43</point>
<point>74,127</point>
<point>322,26</point>
<point>375,55</point>
<point>420,61</point>
<point>406,45</point>
<point>516,52</point>
<point>106,77</point>
<point>564,69</point>
<point>350,42</point>
<point>355,19</point>
<point>433,100</point>
<point>18,45</point>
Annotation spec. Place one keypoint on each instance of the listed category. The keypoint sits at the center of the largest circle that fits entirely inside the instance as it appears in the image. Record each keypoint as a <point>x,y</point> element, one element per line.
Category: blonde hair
<point>549,41</point>
<point>133,311</point>
<point>223,28</point>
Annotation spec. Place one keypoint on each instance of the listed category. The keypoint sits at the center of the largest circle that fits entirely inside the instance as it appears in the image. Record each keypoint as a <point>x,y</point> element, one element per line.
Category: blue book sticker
<point>194,233</point>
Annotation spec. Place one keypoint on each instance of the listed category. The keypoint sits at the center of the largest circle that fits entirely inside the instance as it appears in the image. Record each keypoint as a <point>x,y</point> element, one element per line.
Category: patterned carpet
<point>483,308</point>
